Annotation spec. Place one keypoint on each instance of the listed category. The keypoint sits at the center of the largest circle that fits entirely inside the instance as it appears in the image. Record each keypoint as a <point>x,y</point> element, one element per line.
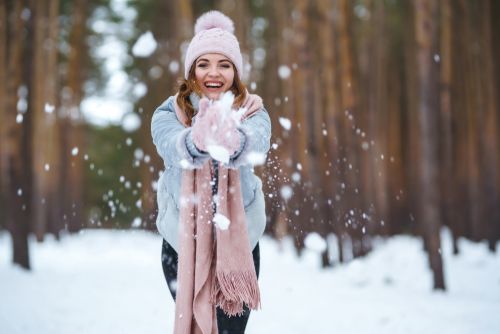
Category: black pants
<point>226,324</point>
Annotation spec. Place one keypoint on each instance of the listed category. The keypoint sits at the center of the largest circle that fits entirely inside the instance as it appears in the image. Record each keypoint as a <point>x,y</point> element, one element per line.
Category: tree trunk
<point>489,132</point>
<point>72,124</point>
<point>426,36</point>
<point>43,107</point>
<point>17,209</point>
<point>349,188</point>
<point>447,168</point>
<point>3,111</point>
<point>330,114</point>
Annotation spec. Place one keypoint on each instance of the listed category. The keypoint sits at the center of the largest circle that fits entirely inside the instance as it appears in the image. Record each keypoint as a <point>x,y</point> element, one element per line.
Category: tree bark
<point>349,188</point>
<point>17,209</point>
<point>72,123</point>
<point>330,115</point>
<point>3,111</point>
<point>44,109</point>
<point>447,170</point>
<point>489,134</point>
<point>426,12</point>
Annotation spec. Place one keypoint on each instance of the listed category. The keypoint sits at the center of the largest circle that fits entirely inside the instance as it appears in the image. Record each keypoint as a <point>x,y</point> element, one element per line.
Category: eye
<point>202,65</point>
<point>225,65</point>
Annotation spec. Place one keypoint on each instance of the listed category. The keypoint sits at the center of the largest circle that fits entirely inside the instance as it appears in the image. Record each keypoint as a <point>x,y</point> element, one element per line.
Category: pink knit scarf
<point>215,266</point>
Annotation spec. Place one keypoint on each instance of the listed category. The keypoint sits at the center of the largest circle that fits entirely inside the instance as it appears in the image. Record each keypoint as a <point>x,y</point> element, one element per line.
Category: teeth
<point>214,85</point>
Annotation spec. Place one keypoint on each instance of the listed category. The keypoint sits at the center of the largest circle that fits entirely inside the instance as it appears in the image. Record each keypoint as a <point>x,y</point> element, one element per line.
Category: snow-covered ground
<point>111,282</point>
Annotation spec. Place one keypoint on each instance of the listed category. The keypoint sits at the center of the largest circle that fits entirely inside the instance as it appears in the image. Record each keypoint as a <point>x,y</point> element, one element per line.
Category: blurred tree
<point>114,175</point>
<point>328,103</point>
<point>43,106</point>
<point>426,28</point>
<point>15,124</point>
<point>71,119</point>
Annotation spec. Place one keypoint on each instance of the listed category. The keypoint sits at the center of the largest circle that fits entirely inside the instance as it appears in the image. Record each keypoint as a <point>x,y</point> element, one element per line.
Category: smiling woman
<point>215,73</point>
<point>211,209</point>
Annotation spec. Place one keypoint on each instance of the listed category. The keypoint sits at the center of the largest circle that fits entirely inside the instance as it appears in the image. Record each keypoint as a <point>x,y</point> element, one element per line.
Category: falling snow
<point>284,72</point>
<point>221,221</point>
<point>49,108</point>
<point>145,45</point>
<point>285,123</point>
<point>286,192</point>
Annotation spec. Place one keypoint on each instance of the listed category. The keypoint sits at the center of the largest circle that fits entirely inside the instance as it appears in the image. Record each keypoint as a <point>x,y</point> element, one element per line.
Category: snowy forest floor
<point>102,281</point>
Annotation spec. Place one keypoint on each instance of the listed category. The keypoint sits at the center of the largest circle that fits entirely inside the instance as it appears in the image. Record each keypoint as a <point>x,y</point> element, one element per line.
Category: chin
<point>213,96</point>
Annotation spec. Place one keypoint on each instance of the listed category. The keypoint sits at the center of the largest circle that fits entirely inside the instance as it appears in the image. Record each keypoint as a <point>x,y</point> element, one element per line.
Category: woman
<point>211,213</point>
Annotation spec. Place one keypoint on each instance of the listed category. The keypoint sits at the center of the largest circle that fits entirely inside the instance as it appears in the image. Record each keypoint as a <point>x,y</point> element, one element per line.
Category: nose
<point>213,71</point>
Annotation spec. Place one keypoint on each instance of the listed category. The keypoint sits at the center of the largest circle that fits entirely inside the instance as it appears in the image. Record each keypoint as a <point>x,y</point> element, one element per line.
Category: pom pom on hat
<point>214,33</point>
<point>214,19</point>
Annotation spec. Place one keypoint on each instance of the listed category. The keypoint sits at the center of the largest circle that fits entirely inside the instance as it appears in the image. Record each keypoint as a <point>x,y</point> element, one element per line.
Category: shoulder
<point>259,116</point>
<point>168,104</point>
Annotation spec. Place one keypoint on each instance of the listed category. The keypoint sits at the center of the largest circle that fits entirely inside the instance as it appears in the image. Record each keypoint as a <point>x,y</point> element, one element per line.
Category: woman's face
<point>214,74</point>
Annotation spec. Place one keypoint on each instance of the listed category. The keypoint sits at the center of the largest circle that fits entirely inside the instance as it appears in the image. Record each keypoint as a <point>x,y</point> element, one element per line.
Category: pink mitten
<point>202,123</point>
<point>228,135</point>
<point>214,125</point>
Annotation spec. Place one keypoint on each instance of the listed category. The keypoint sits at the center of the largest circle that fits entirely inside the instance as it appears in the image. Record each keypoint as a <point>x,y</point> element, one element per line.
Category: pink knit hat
<point>214,33</point>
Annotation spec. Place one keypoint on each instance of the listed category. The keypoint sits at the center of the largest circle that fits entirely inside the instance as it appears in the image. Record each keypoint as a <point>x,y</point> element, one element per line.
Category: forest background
<point>385,116</point>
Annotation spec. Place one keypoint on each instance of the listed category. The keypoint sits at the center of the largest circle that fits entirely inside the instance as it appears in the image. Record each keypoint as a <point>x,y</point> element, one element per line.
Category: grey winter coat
<point>175,146</point>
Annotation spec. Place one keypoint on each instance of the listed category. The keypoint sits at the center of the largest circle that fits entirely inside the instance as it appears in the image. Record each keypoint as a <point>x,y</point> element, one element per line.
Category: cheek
<point>229,79</point>
<point>198,76</point>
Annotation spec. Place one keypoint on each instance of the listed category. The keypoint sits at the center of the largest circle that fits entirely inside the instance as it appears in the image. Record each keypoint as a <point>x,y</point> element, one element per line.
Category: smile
<point>213,84</point>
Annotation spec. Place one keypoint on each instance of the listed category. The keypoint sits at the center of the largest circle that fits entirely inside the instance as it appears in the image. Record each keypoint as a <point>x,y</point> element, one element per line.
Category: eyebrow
<point>220,61</point>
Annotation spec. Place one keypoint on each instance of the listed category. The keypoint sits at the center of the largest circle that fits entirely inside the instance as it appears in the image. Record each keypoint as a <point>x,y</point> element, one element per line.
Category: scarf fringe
<point>233,289</point>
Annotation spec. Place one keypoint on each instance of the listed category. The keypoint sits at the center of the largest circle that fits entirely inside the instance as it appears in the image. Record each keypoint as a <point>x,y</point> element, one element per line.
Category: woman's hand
<point>201,126</point>
<point>213,126</point>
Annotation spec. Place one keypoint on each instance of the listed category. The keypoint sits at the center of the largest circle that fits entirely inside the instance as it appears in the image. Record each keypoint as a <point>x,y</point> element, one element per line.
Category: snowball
<point>19,118</point>
<point>219,153</point>
<point>296,177</point>
<point>173,67</point>
<point>136,222</point>
<point>286,192</point>
<point>226,101</point>
<point>285,123</point>
<point>74,151</point>
<point>131,122</point>
<point>256,158</point>
<point>140,89</point>
<point>49,108</point>
<point>145,45</point>
<point>315,242</point>
<point>221,221</point>
<point>284,72</point>
<point>138,154</point>
<point>184,164</point>
<point>46,167</point>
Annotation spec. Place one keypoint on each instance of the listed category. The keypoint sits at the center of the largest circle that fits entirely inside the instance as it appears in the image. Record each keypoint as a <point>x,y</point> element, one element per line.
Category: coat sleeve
<point>172,140</point>
<point>255,135</point>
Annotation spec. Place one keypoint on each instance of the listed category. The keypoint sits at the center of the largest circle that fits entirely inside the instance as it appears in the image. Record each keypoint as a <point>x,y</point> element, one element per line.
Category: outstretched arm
<point>173,141</point>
